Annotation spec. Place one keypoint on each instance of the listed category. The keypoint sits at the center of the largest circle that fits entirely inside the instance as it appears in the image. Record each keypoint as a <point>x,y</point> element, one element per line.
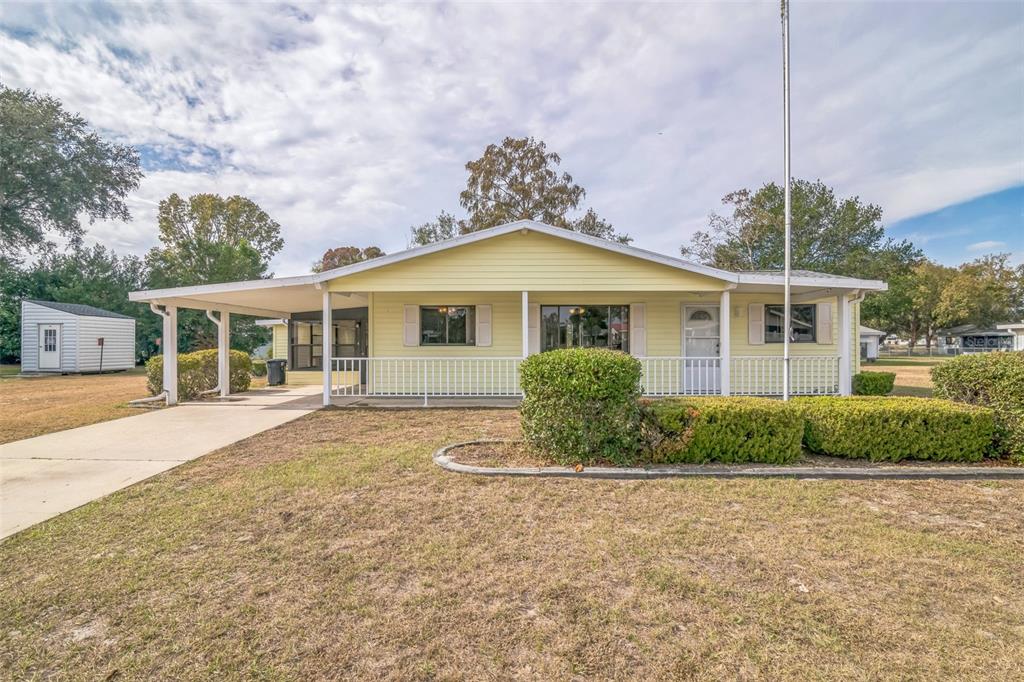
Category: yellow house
<point>457,317</point>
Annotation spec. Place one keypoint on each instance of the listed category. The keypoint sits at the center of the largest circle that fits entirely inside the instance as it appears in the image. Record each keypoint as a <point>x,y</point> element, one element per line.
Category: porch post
<point>169,348</point>
<point>526,324</point>
<point>724,347</point>
<point>325,357</point>
<point>845,381</point>
<point>224,353</point>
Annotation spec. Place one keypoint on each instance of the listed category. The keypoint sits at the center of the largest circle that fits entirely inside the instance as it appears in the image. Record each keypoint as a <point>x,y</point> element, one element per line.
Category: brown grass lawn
<point>37,405</point>
<point>913,375</point>
<point>32,406</point>
<point>332,547</point>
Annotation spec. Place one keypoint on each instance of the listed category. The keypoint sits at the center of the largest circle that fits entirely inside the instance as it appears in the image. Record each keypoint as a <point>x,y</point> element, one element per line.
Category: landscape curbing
<point>883,472</point>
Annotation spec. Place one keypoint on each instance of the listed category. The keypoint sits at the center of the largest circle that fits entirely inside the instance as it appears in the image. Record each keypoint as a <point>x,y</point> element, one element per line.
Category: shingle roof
<point>79,309</point>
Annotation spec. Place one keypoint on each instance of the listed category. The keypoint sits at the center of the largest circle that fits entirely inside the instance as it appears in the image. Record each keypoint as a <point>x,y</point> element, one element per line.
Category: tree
<point>93,276</point>
<point>984,292</point>
<point>837,236</point>
<point>56,169</point>
<point>210,239</point>
<point>345,255</point>
<point>517,180</point>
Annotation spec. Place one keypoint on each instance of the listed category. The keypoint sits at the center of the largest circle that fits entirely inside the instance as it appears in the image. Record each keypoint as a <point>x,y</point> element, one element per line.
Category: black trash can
<point>275,372</point>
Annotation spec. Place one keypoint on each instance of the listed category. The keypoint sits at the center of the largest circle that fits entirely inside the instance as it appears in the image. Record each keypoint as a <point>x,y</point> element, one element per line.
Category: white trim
<point>724,341</point>
<point>845,332</point>
<point>327,341</point>
<point>526,323</point>
<point>823,281</point>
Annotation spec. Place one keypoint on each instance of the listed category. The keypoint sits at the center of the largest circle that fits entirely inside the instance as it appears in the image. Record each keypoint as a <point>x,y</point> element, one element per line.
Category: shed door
<point>49,346</point>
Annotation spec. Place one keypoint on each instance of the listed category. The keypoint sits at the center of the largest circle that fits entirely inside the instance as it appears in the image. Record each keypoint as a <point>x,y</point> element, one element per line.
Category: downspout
<point>216,323</point>
<point>163,394</point>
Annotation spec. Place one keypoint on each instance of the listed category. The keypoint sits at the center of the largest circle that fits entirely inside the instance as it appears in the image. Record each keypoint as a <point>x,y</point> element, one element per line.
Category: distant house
<point>1017,329</point>
<point>970,338</point>
<point>71,337</point>
<point>869,342</point>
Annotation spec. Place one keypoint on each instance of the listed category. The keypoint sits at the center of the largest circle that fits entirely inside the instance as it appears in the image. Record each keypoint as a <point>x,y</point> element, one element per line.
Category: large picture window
<point>448,325</point>
<point>802,323</point>
<point>587,326</point>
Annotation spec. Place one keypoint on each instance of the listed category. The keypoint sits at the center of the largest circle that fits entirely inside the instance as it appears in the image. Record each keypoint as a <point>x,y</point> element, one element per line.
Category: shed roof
<point>80,309</point>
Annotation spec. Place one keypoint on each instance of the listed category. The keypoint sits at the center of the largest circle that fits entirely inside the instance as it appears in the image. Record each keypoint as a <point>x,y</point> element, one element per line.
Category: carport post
<point>169,347</point>
<point>224,354</point>
<point>326,335</point>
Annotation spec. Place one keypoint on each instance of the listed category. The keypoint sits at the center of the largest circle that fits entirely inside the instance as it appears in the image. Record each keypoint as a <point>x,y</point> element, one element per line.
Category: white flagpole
<point>786,323</point>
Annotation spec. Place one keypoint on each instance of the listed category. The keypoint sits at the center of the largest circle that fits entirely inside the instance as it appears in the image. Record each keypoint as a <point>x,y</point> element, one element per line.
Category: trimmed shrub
<point>259,367</point>
<point>732,430</point>
<point>581,405</point>
<point>873,383</point>
<point>894,429</point>
<point>197,372</point>
<point>993,380</point>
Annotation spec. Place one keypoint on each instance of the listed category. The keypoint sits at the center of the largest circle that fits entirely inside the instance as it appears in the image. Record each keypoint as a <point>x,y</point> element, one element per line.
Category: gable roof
<point>868,331</point>
<point>774,278</point>
<point>532,226</point>
<point>79,309</point>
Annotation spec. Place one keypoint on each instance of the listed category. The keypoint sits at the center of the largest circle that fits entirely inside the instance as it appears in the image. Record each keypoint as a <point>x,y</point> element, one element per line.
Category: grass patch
<point>32,406</point>
<point>332,546</point>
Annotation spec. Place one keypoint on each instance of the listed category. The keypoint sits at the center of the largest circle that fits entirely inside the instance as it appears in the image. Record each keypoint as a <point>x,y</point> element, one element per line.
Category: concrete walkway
<point>45,476</point>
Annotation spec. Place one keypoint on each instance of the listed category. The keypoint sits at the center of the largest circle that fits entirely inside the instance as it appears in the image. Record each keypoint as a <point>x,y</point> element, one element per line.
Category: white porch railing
<point>448,377</point>
<point>681,376</point>
<point>499,377</point>
<point>762,375</point>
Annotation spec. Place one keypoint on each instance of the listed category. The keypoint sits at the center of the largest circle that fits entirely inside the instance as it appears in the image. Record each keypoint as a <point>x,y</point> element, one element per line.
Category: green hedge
<point>581,405</point>
<point>197,372</point>
<point>894,429</point>
<point>994,380</point>
<point>697,430</point>
<point>259,367</point>
<point>873,383</point>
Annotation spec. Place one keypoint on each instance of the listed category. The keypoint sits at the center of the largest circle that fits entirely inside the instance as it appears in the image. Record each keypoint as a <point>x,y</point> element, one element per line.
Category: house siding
<point>532,262</point>
<point>118,343</point>
<point>32,316</point>
<point>279,343</point>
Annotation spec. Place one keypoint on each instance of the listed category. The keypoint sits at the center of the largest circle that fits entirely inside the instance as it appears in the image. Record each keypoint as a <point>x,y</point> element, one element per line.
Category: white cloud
<point>989,245</point>
<point>351,123</point>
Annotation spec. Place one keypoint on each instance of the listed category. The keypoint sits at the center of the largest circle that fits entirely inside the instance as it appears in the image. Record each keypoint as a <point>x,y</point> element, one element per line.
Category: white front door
<point>701,343</point>
<point>49,346</point>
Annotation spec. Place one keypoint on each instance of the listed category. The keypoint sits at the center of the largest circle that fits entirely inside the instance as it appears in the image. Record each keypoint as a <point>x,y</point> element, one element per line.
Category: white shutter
<point>483,325</point>
<point>533,322</point>
<point>824,322</point>
<point>755,324</point>
<point>638,329</point>
<point>411,326</point>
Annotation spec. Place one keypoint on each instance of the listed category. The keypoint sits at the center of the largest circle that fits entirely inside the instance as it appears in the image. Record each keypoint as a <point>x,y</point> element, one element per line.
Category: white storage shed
<point>71,337</point>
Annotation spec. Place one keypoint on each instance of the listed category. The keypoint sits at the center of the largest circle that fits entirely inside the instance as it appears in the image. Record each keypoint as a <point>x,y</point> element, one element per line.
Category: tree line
<point>57,171</point>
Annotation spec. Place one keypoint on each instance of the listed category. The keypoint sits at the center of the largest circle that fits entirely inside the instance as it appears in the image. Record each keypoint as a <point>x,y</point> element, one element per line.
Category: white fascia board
<point>1011,327</point>
<point>533,226</point>
<point>225,287</point>
<point>270,323</point>
<point>823,282</point>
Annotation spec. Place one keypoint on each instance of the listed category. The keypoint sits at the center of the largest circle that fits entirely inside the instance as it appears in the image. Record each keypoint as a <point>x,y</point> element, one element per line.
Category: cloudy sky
<point>350,123</point>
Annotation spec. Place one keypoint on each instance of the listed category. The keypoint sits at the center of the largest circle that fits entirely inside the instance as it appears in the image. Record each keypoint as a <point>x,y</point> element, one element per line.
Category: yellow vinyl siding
<point>279,346</point>
<point>388,309</point>
<point>532,261</point>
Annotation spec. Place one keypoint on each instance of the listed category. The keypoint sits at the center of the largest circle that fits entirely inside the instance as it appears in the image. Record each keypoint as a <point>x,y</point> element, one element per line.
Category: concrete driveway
<point>45,476</point>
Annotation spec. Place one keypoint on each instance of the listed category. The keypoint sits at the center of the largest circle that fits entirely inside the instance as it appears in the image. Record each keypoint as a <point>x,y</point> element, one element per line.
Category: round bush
<point>873,383</point>
<point>197,372</point>
<point>993,380</point>
<point>581,405</point>
<point>259,368</point>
